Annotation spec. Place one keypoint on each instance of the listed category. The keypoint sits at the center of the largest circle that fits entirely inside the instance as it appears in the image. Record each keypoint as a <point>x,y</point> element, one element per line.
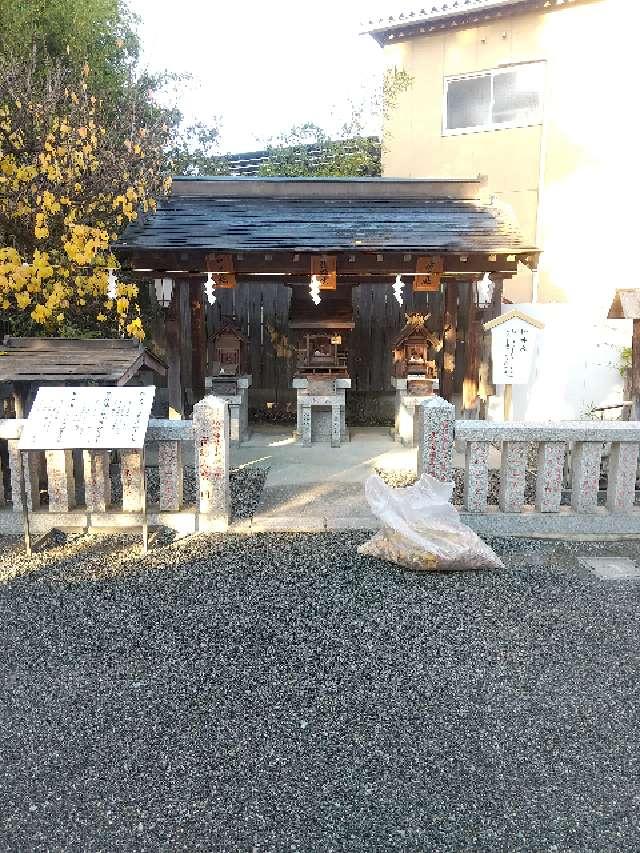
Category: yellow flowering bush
<point>70,182</point>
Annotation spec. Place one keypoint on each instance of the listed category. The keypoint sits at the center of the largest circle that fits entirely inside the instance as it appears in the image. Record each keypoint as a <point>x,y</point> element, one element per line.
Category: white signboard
<point>106,418</point>
<point>513,346</point>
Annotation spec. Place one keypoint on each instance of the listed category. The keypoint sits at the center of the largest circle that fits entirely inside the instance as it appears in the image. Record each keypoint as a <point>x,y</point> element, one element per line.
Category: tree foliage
<point>69,183</point>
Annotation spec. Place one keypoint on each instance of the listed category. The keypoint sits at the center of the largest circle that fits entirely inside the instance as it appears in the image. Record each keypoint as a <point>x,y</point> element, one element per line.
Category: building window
<point>505,97</point>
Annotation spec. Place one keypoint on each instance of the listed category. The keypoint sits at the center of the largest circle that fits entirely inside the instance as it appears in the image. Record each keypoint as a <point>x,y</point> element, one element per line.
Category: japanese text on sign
<point>107,418</point>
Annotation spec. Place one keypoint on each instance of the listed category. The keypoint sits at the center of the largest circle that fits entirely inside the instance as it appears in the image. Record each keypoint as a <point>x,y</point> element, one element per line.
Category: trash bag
<point>422,529</point>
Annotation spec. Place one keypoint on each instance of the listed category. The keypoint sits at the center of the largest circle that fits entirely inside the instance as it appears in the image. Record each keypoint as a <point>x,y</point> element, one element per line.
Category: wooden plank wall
<point>378,318</point>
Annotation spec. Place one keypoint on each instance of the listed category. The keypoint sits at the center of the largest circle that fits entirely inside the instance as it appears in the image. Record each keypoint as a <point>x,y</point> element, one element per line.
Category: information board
<point>85,418</point>
<point>513,346</point>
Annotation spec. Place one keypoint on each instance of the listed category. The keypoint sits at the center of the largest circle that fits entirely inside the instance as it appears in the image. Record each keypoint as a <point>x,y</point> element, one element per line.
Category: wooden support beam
<point>472,356</point>
<point>449,336</point>
<point>198,340</point>
<point>486,387</point>
<point>174,373</point>
<point>186,347</point>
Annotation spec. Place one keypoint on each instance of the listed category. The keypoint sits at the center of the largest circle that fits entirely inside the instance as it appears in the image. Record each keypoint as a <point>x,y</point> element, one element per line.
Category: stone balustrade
<point>202,442</point>
<point>545,514</point>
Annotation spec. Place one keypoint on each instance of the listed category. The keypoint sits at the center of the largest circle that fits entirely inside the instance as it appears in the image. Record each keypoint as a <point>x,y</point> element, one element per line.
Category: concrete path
<point>313,488</point>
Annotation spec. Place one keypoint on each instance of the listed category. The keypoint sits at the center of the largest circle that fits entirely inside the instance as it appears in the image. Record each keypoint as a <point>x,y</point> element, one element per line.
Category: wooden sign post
<point>626,306</point>
<point>514,338</point>
<point>88,419</point>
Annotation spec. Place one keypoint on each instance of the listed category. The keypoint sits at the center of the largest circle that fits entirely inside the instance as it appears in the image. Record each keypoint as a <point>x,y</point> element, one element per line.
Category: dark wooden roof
<point>417,329</point>
<point>310,215</point>
<point>56,360</point>
<point>440,15</point>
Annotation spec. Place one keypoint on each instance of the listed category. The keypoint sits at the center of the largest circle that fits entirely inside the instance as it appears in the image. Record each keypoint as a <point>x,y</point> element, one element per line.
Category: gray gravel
<point>282,693</point>
<point>245,485</point>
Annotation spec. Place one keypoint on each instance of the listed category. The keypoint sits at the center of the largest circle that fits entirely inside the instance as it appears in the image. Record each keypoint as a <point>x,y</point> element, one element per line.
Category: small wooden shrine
<point>413,352</point>
<point>321,332</point>
<point>230,351</point>
<point>229,378</point>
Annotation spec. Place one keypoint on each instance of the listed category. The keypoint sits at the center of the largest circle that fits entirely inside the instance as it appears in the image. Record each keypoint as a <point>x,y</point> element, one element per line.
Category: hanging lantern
<point>164,291</point>
<point>209,289</point>
<point>484,290</point>
<point>112,285</point>
<point>397,289</point>
<point>314,289</point>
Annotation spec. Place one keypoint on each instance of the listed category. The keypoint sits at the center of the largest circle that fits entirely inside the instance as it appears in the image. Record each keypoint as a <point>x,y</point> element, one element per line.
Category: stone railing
<point>545,514</point>
<point>206,438</point>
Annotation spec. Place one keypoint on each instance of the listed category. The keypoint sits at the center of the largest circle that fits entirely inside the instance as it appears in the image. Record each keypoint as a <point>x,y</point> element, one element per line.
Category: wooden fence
<point>263,312</point>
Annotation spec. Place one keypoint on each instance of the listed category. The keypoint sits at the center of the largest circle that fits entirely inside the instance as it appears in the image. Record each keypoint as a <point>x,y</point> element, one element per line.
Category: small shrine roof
<point>75,360</point>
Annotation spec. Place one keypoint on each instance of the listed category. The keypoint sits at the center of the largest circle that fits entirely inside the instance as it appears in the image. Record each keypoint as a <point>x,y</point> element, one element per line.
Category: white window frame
<point>492,72</point>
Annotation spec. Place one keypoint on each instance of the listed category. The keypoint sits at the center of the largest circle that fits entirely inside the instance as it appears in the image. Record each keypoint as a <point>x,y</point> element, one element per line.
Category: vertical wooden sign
<point>223,270</point>
<point>429,269</point>
<point>324,267</point>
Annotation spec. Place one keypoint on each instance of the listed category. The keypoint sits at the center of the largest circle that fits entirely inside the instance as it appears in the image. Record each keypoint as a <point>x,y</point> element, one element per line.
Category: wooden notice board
<point>223,269</point>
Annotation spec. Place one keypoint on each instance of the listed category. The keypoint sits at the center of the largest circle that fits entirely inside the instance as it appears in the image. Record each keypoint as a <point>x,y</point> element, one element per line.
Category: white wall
<point>576,367</point>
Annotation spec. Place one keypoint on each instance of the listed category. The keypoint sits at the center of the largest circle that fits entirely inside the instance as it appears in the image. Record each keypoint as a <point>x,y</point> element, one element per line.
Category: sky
<point>264,66</point>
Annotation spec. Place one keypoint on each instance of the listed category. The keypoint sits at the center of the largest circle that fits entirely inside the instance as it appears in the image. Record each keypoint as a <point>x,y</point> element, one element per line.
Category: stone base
<point>321,411</point>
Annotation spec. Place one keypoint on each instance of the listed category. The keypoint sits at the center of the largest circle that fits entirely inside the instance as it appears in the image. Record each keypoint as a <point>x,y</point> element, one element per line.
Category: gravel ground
<point>282,693</point>
<point>245,485</point>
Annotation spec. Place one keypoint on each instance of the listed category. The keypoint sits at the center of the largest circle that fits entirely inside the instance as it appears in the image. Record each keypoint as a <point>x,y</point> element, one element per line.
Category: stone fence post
<point>211,437</point>
<point>435,438</point>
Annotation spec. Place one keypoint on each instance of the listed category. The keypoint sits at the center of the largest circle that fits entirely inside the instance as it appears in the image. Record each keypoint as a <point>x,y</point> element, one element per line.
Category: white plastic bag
<point>422,529</point>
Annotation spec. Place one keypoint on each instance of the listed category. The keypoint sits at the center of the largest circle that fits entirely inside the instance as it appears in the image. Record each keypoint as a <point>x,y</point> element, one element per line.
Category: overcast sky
<point>264,66</point>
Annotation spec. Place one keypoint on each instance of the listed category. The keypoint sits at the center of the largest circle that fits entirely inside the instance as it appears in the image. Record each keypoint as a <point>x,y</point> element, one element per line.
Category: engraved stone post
<point>621,487</point>
<point>335,426</point>
<point>132,474</point>
<point>476,476</point>
<point>435,448</point>
<point>586,475</point>
<point>97,485</point>
<point>550,476</point>
<point>512,475</point>
<point>61,484</point>
<point>211,435</point>
<point>3,497</point>
<point>306,425</point>
<point>171,473</point>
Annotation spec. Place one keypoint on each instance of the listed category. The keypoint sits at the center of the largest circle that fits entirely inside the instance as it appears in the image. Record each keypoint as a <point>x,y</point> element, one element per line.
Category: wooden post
<point>487,388</point>
<point>449,336</point>
<point>186,347</point>
<point>198,340</point>
<point>635,370</point>
<point>472,343</point>
<point>508,402</point>
<point>174,373</point>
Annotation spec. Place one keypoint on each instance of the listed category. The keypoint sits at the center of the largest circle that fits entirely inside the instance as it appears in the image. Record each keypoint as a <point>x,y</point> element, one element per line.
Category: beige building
<point>538,96</point>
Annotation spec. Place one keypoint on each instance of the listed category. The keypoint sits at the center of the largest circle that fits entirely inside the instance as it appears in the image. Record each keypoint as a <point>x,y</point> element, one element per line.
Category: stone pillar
<point>211,435</point>
<point>15,468</point>
<point>32,479</point>
<point>97,484</point>
<point>171,473</point>
<point>512,475</point>
<point>476,476</point>
<point>61,484</point>
<point>435,448</point>
<point>404,420</point>
<point>305,433</point>
<point>550,476</point>
<point>621,480</point>
<point>585,481</point>
<point>336,426</point>
<point>235,427</point>
<point>132,473</point>
<point>3,497</point>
